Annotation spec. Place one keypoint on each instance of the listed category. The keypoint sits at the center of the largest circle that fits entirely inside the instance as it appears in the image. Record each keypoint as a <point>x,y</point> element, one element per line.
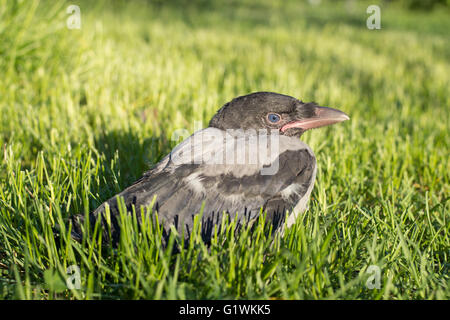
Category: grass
<point>83,113</point>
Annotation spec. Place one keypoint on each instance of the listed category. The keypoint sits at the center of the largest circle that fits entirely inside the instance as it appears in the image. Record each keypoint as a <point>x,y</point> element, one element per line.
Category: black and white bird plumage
<point>249,160</point>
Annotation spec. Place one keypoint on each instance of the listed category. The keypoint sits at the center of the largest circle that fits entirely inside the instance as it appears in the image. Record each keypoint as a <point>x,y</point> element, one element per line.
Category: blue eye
<point>273,117</point>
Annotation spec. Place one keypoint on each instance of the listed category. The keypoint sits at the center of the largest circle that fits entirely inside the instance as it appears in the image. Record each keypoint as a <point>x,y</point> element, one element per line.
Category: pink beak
<point>323,117</point>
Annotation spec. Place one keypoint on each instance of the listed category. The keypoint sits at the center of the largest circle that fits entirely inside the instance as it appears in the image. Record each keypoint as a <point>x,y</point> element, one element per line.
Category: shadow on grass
<point>127,156</point>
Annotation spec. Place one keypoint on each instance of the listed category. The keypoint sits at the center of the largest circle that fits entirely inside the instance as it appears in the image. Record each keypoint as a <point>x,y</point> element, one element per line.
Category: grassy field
<point>83,113</point>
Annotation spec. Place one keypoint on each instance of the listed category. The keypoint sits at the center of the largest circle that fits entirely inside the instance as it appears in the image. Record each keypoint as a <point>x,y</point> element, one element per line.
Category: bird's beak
<point>323,116</point>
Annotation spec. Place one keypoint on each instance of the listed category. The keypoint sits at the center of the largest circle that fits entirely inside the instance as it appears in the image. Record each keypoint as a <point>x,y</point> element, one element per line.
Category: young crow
<point>249,160</point>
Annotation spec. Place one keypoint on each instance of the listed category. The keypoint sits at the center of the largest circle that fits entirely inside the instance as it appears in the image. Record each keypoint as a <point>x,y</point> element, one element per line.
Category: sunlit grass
<point>83,113</point>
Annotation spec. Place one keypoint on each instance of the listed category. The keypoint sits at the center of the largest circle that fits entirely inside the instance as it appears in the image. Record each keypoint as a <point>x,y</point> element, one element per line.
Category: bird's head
<point>268,110</point>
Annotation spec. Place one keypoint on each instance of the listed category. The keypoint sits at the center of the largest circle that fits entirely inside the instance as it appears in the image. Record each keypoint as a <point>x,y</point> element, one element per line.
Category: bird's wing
<point>197,173</point>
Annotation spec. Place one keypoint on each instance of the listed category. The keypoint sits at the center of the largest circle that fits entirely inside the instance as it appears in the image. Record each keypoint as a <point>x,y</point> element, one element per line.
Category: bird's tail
<point>77,232</point>
<point>110,235</point>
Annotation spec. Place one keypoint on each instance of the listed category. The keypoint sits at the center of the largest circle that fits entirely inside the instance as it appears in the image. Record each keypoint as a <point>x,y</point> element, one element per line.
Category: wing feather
<point>182,183</point>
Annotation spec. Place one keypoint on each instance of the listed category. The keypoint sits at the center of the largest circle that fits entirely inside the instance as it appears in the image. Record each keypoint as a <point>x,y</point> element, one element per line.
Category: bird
<point>250,160</point>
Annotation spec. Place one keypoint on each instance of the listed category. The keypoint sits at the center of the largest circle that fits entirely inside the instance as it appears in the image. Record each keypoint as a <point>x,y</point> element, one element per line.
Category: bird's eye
<point>273,117</point>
